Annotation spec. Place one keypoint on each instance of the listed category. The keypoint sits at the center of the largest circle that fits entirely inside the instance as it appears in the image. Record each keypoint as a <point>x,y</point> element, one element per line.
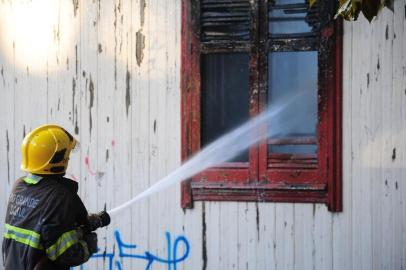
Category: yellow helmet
<point>46,150</point>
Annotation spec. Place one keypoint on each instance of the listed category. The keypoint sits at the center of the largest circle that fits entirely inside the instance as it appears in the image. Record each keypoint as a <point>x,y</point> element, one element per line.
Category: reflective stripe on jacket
<point>43,215</point>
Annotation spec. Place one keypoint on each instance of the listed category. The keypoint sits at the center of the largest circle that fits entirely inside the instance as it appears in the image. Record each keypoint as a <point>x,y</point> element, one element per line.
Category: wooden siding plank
<point>105,123</point>
<point>229,235</point>
<point>303,236</point>
<point>8,146</point>
<point>284,232</point>
<point>266,236</point>
<point>157,64</point>
<point>88,127</point>
<point>322,240</point>
<point>214,236</point>
<point>342,222</point>
<point>195,228</point>
<point>88,103</point>
<point>363,116</point>
<point>398,256</point>
<point>222,233</point>
<point>401,23</point>
<point>141,212</point>
<point>384,184</point>
<point>247,236</point>
<point>122,117</point>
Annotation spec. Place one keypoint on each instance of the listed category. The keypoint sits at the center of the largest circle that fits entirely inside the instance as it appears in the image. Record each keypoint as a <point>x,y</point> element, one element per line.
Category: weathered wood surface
<point>113,81</point>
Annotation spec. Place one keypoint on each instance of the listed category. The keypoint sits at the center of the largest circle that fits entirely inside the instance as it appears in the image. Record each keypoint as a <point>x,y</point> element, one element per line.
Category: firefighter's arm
<point>65,244</point>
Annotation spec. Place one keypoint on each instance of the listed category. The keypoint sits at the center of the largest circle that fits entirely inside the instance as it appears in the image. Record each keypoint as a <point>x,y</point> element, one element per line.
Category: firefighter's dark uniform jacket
<point>43,215</point>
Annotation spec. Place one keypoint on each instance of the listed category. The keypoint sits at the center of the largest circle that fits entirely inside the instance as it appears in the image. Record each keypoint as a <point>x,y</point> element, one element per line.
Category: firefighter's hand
<point>91,240</point>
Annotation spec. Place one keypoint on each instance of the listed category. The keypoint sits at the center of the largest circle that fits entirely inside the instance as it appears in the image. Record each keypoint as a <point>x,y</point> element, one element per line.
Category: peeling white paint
<point>368,234</point>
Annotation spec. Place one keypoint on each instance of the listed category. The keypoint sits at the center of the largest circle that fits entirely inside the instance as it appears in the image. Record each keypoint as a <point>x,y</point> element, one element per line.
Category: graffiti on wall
<point>177,251</point>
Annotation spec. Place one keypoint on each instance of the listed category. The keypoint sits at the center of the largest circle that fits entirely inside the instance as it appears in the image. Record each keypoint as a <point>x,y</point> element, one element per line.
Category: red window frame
<point>265,178</point>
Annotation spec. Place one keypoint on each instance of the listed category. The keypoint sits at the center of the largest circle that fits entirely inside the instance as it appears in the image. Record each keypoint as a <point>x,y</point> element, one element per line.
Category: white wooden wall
<point>110,74</point>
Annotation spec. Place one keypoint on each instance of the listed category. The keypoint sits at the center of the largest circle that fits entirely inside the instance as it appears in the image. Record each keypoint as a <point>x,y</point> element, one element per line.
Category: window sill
<point>256,192</point>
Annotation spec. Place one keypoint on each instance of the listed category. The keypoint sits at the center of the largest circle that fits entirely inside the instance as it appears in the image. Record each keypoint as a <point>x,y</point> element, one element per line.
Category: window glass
<point>293,75</point>
<point>224,95</point>
<point>293,149</point>
<point>290,17</point>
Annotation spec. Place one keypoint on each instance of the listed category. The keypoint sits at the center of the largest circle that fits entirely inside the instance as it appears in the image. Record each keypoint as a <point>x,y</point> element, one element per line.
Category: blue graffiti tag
<point>171,260</point>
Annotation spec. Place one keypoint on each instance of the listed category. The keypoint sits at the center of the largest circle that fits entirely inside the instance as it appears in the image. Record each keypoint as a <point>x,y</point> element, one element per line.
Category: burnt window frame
<point>265,179</point>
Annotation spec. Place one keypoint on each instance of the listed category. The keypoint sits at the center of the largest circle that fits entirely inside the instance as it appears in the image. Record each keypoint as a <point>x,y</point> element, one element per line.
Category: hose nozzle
<point>98,220</point>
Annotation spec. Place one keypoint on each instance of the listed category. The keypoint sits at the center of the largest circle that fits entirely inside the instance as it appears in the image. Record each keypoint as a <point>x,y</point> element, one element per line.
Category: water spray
<point>221,150</point>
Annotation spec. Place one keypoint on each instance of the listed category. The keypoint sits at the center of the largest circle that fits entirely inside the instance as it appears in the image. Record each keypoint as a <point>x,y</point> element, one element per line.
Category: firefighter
<point>46,221</point>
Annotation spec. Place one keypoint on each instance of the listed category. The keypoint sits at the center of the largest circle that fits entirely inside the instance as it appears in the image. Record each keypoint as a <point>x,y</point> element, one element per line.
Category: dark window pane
<point>293,149</point>
<point>281,24</point>
<point>293,74</point>
<point>224,95</point>
<point>291,17</point>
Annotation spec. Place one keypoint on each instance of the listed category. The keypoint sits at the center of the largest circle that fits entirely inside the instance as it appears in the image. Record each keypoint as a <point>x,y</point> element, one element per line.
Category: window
<point>240,57</point>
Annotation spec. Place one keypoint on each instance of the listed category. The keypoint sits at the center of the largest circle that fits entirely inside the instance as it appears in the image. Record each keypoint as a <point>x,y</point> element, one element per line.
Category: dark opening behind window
<point>224,97</point>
